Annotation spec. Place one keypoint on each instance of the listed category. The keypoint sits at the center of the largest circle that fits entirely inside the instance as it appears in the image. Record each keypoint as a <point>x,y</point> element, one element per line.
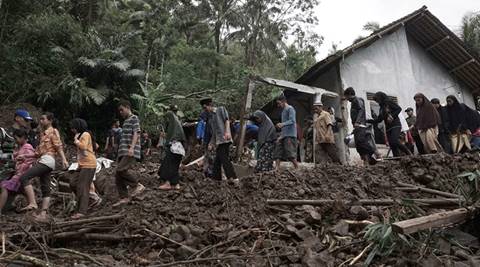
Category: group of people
<point>453,128</point>
<point>435,128</point>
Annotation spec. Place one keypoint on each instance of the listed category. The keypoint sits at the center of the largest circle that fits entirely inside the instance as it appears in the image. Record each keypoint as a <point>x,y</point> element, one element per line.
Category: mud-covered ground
<point>215,223</point>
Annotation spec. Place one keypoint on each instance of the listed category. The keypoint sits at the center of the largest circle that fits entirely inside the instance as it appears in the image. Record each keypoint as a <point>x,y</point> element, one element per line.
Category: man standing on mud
<point>128,153</point>
<point>363,139</point>
<point>324,137</point>
<point>411,119</point>
<point>286,148</point>
<point>221,138</point>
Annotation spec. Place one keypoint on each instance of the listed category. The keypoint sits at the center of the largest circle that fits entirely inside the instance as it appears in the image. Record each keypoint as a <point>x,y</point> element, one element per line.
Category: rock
<point>305,234</point>
<point>176,237</point>
<point>312,259</point>
<point>196,230</point>
<point>313,216</point>
<point>463,238</point>
<point>359,212</point>
<point>444,246</point>
<point>184,231</point>
<point>341,228</point>
<point>184,252</point>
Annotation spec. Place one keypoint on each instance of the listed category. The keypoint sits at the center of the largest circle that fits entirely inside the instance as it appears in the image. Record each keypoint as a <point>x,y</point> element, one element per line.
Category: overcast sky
<point>341,21</point>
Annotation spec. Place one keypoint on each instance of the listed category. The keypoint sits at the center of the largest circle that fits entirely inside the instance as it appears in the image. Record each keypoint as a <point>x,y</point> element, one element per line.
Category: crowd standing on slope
<point>32,150</point>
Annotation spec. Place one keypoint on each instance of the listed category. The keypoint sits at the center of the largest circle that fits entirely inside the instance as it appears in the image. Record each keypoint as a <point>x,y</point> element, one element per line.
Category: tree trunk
<point>218,28</point>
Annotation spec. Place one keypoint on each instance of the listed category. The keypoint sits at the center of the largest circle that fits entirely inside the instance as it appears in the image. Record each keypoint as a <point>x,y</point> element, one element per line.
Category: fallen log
<point>415,188</point>
<point>437,202</point>
<point>436,220</point>
<point>89,220</point>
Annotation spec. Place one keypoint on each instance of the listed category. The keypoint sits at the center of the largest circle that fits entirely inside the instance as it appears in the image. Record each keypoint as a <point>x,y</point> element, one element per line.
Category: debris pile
<point>210,222</point>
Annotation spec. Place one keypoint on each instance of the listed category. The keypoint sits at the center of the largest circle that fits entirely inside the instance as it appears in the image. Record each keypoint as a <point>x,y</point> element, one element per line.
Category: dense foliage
<point>77,58</point>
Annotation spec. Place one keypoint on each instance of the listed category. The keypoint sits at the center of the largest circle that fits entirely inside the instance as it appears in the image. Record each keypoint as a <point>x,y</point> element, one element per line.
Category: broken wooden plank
<point>436,220</point>
<point>437,202</point>
<point>413,188</point>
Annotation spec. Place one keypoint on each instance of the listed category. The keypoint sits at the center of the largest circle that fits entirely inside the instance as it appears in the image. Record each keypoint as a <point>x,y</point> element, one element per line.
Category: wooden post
<point>314,148</point>
<point>436,220</point>
<point>243,113</point>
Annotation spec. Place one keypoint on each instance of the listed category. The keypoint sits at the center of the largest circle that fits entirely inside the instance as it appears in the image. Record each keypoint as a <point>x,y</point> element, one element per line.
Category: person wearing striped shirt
<point>129,152</point>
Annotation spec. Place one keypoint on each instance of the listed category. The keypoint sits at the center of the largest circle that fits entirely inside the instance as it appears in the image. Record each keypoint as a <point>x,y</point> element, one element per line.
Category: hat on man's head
<point>409,109</point>
<point>23,114</point>
<point>206,101</point>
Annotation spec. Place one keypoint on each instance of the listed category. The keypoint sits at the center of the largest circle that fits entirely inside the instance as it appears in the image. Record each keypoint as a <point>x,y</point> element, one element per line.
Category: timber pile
<point>210,223</point>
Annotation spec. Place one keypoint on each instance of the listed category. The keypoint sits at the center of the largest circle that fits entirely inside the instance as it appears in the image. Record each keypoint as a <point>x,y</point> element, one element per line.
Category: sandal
<point>29,208</point>
<point>77,216</point>
<point>121,202</point>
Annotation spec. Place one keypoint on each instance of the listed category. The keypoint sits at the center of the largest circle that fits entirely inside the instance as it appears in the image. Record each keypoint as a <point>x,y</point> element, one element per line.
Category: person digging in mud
<point>363,139</point>
<point>50,146</point>
<point>411,119</point>
<point>113,140</point>
<point>427,124</point>
<point>24,157</point>
<point>389,112</point>
<point>128,154</point>
<point>174,139</point>
<point>87,164</point>
<point>325,138</point>
<point>221,138</point>
<point>287,142</point>
<point>267,135</point>
<point>444,127</point>
<point>463,122</point>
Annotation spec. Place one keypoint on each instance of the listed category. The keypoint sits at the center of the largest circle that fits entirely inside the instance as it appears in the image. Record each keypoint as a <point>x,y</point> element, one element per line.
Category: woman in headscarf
<point>265,141</point>
<point>174,139</point>
<point>444,127</point>
<point>427,124</point>
<point>389,112</point>
<point>463,122</point>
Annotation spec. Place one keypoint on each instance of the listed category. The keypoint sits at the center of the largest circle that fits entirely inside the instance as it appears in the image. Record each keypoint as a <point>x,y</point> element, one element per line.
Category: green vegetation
<point>77,58</point>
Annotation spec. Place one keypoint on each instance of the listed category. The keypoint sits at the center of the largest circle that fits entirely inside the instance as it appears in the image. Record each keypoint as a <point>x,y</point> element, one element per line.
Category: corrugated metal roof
<point>296,87</point>
<point>433,36</point>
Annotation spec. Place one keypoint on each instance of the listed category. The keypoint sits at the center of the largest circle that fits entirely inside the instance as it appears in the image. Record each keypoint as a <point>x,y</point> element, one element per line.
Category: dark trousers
<point>419,144</point>
<point>363,142</point>
<point>222,159</point>
<point>43,172</point>
<point>81,186</point>
<point>444,141</point>
<point>123,178</point>
<point>169,168</point>
<point>331,151</point>
<point>393,136</point>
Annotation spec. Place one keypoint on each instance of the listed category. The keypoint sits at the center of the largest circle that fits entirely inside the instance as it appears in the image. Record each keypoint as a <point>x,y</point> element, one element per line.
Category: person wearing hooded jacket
<point>389,112</point>
<point>444,127</point>
<point>171,162</point>
<point>266,138</point>
<point>463,122</point>
<point>427,124</point>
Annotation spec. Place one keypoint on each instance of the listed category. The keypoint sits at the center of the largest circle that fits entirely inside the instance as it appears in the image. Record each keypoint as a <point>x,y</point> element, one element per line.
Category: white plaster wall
<point>399,67</point>
<point>383,66</point>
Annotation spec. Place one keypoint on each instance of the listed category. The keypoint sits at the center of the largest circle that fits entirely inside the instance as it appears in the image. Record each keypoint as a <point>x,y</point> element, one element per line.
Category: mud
<point>216,219</point>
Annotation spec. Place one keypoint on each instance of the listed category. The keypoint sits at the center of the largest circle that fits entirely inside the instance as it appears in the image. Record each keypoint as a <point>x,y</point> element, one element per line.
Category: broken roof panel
<point>296,86</point>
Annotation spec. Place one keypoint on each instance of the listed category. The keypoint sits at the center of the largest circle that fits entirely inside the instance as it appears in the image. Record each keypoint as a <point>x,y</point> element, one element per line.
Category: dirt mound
<point>210,221</point>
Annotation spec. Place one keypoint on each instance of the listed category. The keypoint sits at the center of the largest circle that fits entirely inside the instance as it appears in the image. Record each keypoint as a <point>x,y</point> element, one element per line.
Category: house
<point>416,53</point>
